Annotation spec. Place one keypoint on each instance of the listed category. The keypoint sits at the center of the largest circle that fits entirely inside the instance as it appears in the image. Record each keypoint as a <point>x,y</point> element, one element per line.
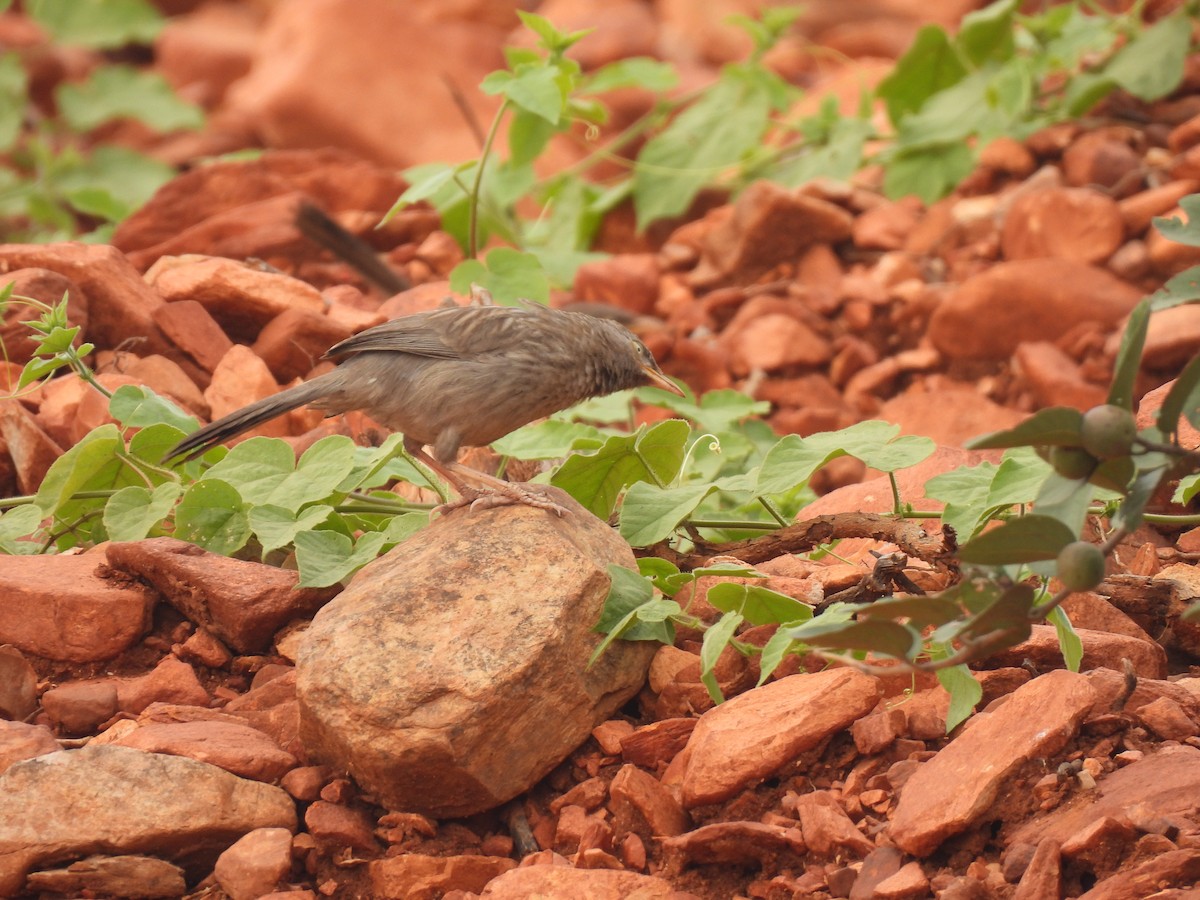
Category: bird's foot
<point>505,493</point>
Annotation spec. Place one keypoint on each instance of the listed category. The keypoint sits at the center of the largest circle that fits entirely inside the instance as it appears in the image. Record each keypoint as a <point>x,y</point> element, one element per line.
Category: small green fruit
<point>1072,462</point>
<point>1080,566</point>
<point>1107,431</point>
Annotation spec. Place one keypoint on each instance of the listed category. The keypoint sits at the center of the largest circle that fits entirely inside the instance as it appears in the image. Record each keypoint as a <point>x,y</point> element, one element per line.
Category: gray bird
<point>462,376</point>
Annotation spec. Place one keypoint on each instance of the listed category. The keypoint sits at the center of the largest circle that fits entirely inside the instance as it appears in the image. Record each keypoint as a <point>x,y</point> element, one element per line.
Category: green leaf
<point>629,594</point>
<point>793,460</point>
<point>701,143</point>
<point>13,99</point>
<point>123,92</point>
<point>276,526</point>
<point>93,457</point>
<point>597,478</point>
<point>213,515</point>
<point>1053,426</point>
<point>1021,540</point>
<point>716,639</point>
<point>535,90</point>
<point>1068,638</point>
<point>928,172</point>
<point>17,523</point>
<point>1004,621</point>
<point>509,275</point>
<point>930,65</point>
<point>549,439</point>
<point>965,694</point>
<point>759,605</point>
<point>987,33</point>
<point>870,635</point>
<point>325,558</point>
<point>1184,230</point>
<point>716,411</point>
<point>650,514</point>
<point>113,182</point>
<point>1151,65</point>
<point>133,512</point>
<point>777,647</point>
<point>633,71</point>
<point>1129,357</point>
<point>1182,400</point>
<point>921,612</point>
<point>265,471</point>
<point>1182,288</point>
<point>135,406</point>
<point>100,24</point>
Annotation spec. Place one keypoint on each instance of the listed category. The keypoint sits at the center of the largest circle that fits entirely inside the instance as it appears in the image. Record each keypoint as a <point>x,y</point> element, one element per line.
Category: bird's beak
<point>658,379</point>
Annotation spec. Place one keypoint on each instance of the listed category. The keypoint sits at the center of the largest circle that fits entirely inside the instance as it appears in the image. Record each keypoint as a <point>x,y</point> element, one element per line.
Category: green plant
<point>55,182</point>
<point>1002,74</point>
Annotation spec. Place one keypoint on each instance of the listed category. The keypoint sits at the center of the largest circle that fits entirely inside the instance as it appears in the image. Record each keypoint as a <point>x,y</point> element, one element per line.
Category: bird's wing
<point>415,335</point>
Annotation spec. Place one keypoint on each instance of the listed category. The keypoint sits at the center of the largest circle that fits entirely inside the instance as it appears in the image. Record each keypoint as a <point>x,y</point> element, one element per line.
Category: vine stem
<point>473,206</point>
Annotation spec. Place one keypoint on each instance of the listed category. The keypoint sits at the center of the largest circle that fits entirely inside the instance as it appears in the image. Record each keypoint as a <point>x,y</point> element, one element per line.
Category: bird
<point>461,376</point>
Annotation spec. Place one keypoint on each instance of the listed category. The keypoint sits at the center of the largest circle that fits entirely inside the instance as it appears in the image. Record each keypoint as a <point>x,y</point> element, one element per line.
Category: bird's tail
<point>252,416</point>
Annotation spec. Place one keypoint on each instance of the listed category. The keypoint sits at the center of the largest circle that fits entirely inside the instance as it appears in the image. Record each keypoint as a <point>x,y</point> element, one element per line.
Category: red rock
<point>1139,211</point>
<point>80,707</point>
<point>120,304</point>
<point>166,378</point>
<point>773,341</point>
<point>1167,719</point>
<point>828,831</point>
<point>569,828</point>
<point>126,875</point>
<point>778,721</point>
<point>323,77</point>
<point>578,884</point>
<point>737,843</point>
<point>950,792</point>
<point>1174,867</point>
<point>640,803</point>
<point>246,208</point>
<point>31,450</point>
<point>1105,159</point>
<point>1172,338</point>
<point>880,864</point>
<point>588,794</point>
<point>907,884</point>
<point>340,826</point>
<point>610,734</point>
<point>19,741</point>
<point>1075,224</point>
<point>1055,378</point>
<point>767,225</point>
<point>18,685</point>
<point>1100,650</point>
<point>232,745</point>
<point>415,876</point>
<point>1100,844</point>
<point>201,54</point>
<point>196,334</point>
<point>1093,612</point>
<point>243,603</point>
<point>70,607</point>
<point>171,681</point>
<point>241,298</point>
<point>1026,300</point>
<point>255,863</point>
<point>628,281</point>
<point>203,648</point>
<point>305,782</point>
<point>658,742</point>
<point>272,709</point>
<point>1009,156</point>
<point>1147,414</point>
<point>294,341</point>
<point>875,733</point>
<point>1043,877</point>
<point>887,226</point>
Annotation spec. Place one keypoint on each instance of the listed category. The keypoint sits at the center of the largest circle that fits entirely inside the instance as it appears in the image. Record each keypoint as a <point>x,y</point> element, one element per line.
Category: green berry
<point>1072,462</point>
<point>1080,566</point>
<point>1107,431</point>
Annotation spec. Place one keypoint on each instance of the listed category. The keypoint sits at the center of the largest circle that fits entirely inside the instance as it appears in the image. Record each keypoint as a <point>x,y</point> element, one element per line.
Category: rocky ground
<point>199,704</point>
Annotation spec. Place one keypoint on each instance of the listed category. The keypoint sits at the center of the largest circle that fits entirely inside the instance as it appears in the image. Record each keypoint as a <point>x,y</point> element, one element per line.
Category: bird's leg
<point>492,491</point>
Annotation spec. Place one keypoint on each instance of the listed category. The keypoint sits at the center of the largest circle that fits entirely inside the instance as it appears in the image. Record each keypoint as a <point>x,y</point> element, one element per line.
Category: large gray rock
<point>451,675</point>
<point>74,803</point>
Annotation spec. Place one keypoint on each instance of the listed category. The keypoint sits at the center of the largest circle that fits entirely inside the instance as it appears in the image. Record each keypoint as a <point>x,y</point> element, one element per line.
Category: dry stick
<point>801,536</point>
<point>465,109</point>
